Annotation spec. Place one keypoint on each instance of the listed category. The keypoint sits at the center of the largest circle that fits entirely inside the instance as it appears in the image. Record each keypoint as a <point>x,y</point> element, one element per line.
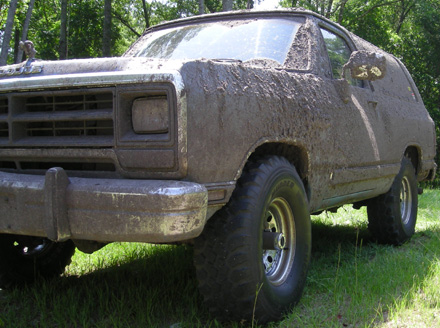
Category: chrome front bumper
<point>105,210</point>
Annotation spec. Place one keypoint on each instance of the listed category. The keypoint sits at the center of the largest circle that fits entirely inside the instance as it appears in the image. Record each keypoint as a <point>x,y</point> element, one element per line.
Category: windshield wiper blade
<point>226,60</point>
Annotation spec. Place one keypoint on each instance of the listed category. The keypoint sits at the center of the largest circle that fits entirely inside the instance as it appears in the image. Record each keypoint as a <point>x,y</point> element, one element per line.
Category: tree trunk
<point>107,33</point>
<point>328,11</point>
<point>341,11</point>
<point>227,5</point>
<point>8,32</point>
<point>405,9</point>
<point>16,44</point>
<point>146,14</point>
<point>25,30</point>
<point>63,30</point>
<point>201,7</point>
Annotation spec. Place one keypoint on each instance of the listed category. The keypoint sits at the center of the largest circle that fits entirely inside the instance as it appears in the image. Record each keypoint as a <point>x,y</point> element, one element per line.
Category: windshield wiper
<point>226,60</point>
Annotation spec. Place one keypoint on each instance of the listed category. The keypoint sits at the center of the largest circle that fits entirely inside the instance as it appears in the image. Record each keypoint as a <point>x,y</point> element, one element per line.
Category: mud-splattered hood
<point>76,66</point>
<point>109,71</point>
<point>88,72</point>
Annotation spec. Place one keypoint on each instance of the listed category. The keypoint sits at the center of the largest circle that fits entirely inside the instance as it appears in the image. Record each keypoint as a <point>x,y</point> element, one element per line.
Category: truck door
<point>356,127</point>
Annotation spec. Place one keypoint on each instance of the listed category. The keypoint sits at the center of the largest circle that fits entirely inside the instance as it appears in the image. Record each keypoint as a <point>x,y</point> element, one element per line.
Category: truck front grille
<point>73,118</point>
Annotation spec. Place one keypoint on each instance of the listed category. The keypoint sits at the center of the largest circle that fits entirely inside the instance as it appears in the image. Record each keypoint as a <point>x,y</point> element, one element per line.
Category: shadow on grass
<point>352,282</point>
<point>151,291</point>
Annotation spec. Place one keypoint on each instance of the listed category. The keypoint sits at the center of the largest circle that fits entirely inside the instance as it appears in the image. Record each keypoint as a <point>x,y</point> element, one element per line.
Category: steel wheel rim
<point>277,264</point>
<point>405,200</point>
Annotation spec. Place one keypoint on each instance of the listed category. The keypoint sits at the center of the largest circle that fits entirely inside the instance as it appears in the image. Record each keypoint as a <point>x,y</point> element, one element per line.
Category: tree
<point>25,30</point>
<point>107,33</point>
<point>4,5</point>
<point>147,13</point>
<point>405,7</point>
<point>227,5</point>
<point>86,19</point>
<point>174,9</point>
<point>418,44</point>
<point>213,6</point>
<point>8,32</point>
<point>63,30</point>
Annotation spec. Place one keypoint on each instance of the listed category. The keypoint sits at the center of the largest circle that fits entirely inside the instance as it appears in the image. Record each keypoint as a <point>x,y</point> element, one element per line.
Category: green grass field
<point>352,282</point>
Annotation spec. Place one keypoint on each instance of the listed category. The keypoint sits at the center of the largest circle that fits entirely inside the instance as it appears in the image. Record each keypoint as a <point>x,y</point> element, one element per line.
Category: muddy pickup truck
<point>226,131</point>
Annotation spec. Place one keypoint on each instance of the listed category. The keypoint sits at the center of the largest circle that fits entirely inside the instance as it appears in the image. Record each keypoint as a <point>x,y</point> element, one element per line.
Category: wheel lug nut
<point>273,240</point>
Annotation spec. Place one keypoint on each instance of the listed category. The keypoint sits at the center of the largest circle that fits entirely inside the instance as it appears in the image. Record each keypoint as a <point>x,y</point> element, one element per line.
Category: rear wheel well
<point>413,154</point>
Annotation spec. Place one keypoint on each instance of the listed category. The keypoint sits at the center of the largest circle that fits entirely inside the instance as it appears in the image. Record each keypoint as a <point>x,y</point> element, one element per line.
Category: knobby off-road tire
<point>23,259</point>
<point>392,216</point>
<point>240,279</point>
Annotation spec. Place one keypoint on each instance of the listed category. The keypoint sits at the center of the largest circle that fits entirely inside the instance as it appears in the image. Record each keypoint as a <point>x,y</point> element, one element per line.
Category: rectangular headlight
<point>150,115</point>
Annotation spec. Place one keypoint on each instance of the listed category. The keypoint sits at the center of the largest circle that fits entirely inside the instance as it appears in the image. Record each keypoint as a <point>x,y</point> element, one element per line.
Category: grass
<point>352,282</point>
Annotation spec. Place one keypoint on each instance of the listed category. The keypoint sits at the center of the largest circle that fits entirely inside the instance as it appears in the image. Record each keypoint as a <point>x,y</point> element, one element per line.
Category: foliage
<point>44,29</point>
<point>420,50</point>
<point>174,9</point>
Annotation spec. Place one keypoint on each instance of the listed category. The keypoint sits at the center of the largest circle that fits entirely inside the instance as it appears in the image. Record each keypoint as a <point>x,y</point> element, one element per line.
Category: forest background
<point>62,29</point>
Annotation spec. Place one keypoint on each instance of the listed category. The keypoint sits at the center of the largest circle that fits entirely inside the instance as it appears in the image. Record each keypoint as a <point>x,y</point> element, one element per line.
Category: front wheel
<point>392,216</point>
<point>252,258</point>
<point>24,258</point>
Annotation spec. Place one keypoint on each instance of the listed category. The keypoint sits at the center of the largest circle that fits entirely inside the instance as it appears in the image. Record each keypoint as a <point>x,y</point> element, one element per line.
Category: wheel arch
<point>414,153</point>
<point>296,154</point>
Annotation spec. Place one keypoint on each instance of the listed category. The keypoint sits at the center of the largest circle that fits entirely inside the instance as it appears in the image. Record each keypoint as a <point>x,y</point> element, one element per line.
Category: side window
<point>339,53</point>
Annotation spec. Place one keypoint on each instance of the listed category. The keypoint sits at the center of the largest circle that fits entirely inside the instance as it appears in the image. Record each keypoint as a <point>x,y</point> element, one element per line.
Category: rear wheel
<point>252,258</point>
<point>24,258</point>
<point>392,216</point>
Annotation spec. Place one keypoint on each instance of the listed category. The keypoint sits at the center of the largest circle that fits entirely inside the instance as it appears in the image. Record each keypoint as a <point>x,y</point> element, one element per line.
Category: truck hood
<point>113,71</point>
<point>90,65</point>
<point>87,72</point>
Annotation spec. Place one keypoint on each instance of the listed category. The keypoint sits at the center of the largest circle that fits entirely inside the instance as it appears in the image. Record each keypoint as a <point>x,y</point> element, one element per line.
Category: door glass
<point>339,53</point>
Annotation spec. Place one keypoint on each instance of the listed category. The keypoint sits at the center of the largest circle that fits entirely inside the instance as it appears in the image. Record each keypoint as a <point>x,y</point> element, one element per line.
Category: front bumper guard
<point>60,208</point>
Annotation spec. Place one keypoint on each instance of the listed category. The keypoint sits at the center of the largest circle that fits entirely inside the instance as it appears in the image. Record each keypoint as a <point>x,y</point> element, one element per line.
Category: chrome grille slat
<point>101,114</point>
<point>88,141</point>
<point>55,106</point>
<point>58,129</point>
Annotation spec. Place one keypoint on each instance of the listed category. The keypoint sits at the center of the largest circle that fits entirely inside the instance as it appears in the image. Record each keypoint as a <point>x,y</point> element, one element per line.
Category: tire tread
<point>221,259</point>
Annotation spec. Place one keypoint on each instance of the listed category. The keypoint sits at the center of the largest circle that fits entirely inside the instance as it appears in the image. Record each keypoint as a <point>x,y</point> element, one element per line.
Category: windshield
<point>268,38</point>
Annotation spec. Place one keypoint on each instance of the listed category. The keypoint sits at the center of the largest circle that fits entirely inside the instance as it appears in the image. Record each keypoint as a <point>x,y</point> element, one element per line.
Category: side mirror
<point>366,65</point>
